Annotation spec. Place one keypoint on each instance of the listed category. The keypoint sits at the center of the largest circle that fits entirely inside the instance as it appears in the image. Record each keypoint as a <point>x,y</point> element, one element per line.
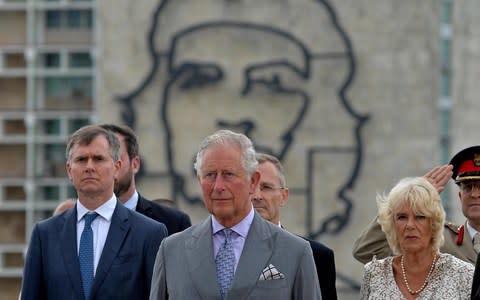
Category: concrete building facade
<point>47,90</point>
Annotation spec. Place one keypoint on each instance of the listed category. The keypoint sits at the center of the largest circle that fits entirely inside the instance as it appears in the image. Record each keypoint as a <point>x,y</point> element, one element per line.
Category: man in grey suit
<point>99,249</point>
<point>233,254</point>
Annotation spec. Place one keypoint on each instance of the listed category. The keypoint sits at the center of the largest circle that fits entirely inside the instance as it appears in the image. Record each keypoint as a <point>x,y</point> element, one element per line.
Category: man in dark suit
<point>475,294</point>
<point>99,249</point>
<point>270,196</point>
<point>234,253</point>
<point>125,187</point>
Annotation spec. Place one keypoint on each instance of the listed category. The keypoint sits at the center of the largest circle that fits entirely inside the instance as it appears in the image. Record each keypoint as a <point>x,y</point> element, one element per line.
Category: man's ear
<point>135,164</point>
<point>68,168</point>
<point>117,165</point>
<point>284,197</point>
<point>254,182</point>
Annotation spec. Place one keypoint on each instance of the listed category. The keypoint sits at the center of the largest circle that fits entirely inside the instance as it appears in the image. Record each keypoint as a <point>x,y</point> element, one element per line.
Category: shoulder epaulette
<point>459,230</point>
<point>453,227</point>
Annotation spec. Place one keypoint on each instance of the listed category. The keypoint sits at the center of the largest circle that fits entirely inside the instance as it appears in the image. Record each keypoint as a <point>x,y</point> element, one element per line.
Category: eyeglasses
<point>468,187</point>
<point>267,188</point>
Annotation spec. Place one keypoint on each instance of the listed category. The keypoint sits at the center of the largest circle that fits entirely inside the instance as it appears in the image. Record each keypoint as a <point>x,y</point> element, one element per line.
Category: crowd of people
<point>112,243</point>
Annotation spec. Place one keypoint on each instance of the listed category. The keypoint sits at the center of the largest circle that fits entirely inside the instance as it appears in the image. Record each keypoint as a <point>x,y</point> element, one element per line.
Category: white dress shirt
<point>471,231</point>
<point>100,227</point>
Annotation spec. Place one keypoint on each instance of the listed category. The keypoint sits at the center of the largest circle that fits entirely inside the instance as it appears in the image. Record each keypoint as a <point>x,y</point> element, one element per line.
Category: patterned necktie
<point>85,254</point>
<point>225,263</point>
<point>476,242</point>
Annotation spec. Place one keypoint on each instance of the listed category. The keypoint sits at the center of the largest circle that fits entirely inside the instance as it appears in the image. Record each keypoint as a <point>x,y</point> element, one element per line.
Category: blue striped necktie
<point>225,263</point>
<point>85,254</point>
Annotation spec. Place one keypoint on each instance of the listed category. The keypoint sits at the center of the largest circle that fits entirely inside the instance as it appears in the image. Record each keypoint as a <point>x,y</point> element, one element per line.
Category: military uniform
<point>372,242</point>
<point>466,171</point>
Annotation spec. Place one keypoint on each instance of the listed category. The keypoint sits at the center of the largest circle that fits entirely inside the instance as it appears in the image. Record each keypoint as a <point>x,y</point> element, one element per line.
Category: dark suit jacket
<point>325,264</point>
<point>174,219</point>
<point>52,270</point>
<point>476,281</point>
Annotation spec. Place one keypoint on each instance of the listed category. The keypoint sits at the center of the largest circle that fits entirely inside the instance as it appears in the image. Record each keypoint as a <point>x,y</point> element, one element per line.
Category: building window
<point>52,60</point>
<point>75,124</point>
<point>52,127</point>
<point>54,19</point>
<point>50,193</point>
<point>80,60</point>
<point>74,19</point>
<point>75,87</point>
<point>55,152</point>
<point>71,19</point>
<point>53,161</point>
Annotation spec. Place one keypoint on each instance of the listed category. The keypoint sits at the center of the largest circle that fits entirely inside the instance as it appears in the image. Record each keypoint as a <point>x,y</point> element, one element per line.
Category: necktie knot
<point>89,217</point>
<point>228,235</point>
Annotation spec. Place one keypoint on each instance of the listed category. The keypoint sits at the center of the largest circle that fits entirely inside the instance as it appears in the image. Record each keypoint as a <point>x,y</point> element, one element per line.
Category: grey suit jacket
<point>185,266</point>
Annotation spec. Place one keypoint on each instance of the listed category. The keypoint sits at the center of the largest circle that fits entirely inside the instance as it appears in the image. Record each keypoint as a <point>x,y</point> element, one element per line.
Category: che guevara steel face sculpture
<point>279,77</point>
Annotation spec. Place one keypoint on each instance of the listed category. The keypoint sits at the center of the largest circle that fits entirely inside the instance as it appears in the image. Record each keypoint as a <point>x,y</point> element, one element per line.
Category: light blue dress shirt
<point>132,202</point>
<point>239,235</point>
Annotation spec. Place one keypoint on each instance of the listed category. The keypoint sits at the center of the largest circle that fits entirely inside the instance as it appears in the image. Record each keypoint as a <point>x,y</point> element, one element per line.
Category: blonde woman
<point>412,217</point>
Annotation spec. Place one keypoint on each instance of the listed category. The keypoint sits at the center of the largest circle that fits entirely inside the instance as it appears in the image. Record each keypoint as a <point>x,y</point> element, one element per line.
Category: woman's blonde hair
<point>424,200</point>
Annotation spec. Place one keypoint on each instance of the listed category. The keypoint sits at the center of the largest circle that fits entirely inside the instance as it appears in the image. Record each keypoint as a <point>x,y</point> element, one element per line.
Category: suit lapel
<point>68,236</point>
<point>201,265</point>
<point>119,227</point>
<point>144,207</point>
<point>256,253</point>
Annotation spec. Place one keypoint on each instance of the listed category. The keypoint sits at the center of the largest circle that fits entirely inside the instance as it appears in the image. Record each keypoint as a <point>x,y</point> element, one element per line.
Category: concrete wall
<point>389,79</point>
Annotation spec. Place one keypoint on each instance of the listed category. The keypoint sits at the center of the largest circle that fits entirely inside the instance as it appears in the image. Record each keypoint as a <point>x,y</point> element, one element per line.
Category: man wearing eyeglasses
<point>270,196</point>
<point>464,169</point>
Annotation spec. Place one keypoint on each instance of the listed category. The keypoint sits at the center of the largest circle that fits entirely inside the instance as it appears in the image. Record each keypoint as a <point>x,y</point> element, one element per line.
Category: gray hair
<point>423,198</point>
<point>264,157</point>
<point>227,137</point>
<point>85,135</point>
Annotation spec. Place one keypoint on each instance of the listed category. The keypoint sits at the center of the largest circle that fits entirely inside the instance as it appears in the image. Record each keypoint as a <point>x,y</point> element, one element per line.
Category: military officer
<point>464,169</point>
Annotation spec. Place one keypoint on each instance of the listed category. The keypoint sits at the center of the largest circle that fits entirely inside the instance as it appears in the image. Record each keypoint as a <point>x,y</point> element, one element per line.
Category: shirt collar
<point>471,231</point>
<point>132,202</point>
<point>105,210</point>
<point>240,228</point>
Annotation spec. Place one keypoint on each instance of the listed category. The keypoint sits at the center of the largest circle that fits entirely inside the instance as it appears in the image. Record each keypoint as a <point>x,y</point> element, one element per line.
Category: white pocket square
<point>271,273</point>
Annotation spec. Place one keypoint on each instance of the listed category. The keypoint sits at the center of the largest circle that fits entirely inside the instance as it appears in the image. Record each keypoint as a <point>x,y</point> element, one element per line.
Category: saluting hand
<point>439,176</point>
